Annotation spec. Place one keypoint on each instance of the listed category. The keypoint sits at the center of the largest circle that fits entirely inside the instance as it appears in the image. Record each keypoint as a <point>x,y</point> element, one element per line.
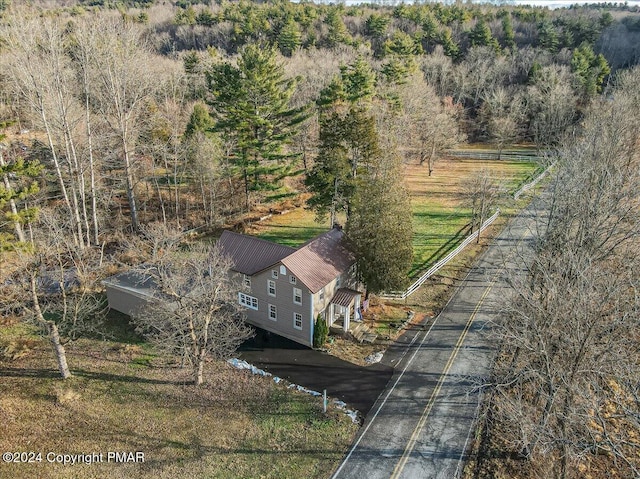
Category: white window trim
<point>274,273</point>
<point>299,303</point>
<point>248,301</point>
<point>275,312</point>
<point>271,283</point>
<point>321,294</point>
<point>246,280</point>
<point>293,279</point>
<point>295,319</point>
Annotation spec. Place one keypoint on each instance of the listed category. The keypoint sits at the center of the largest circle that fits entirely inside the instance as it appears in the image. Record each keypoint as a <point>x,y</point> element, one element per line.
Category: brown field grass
<point>122,398</point>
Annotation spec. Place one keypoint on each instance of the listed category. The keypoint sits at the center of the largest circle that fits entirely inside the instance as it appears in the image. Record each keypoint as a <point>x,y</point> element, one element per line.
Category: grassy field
<point>291,229</point>
<point>440,218</point>
<point>122,398</point>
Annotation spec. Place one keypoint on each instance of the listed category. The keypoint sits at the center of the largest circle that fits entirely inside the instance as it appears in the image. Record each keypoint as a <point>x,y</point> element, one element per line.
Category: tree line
<point>114,124</point>
<point>565,387</point>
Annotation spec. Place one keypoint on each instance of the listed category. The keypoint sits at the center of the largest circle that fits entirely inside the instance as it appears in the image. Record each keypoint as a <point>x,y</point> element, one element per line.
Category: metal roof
<point>250,254</point>
<point>133,281</point>
<point>344,297</point>
<point>320,261</point>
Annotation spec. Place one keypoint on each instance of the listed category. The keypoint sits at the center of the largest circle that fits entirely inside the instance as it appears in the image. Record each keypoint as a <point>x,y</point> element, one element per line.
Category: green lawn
<point>440,219</point>
<point>290,229</point>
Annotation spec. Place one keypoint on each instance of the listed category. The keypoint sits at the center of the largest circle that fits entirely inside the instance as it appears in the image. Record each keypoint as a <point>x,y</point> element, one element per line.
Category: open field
<point>291,229</point>
<point>122,398</point>
<point>440,219</point>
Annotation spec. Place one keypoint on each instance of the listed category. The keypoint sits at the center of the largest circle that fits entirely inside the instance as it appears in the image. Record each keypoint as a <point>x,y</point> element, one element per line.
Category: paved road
<point>420,426</point>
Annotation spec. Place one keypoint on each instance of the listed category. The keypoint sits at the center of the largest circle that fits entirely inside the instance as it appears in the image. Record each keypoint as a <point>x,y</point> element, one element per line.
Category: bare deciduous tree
<point>59,286</point>
<point>121,73</point>
<point>481,193</point>
<point>551,105</point>
<point>40,74</point>
<point>502,114</point>
<point>430,125</point>
<point>195,312</point>
<point>567,377</point>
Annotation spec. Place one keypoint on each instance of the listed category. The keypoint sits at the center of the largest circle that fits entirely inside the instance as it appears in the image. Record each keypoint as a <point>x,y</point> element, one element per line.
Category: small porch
<point>344,308</point>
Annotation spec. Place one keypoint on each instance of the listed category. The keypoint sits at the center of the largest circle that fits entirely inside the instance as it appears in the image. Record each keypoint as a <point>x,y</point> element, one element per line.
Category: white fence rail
<point>436,267</point>
<point>533,183</point>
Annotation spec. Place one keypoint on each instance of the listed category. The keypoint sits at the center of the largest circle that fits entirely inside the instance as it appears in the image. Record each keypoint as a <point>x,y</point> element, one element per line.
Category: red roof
<point>316,263</point>
<point>345,296</point>
<point>250,254</point>
<point>321,260</point>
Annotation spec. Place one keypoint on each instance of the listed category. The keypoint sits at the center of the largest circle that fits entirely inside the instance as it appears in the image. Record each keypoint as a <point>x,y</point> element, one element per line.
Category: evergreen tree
<point>481,36</point>
<point>400,44</point>
<point>17,183</point>
<point>376,25</point>
<point>348,146</point>
<point>289,38</point>
<point>548,37</point>
<point>379,227</point>
<point>450,47</point>
<point>329,179</point>
<point>348,139</point>
<point>320,332</point>
<point>590,69</point>
<point>358,80</point>
<point>251,109</point>
<point>509,35</point>
<point>338,32</point>
<point>199,121</point>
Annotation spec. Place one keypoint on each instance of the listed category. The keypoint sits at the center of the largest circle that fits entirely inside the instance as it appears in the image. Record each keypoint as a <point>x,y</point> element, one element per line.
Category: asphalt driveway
<point>358,386</point>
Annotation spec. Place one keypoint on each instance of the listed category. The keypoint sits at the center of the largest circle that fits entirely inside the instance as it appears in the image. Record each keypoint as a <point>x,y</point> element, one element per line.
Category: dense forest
<point>161,113</point>
<point>128,124</point>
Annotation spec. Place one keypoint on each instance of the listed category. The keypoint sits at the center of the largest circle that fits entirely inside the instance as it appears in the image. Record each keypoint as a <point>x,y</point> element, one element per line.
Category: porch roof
<point>344,297</point>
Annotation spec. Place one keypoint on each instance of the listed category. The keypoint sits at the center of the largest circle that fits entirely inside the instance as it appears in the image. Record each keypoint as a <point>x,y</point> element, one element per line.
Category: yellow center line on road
<point>432,399</point>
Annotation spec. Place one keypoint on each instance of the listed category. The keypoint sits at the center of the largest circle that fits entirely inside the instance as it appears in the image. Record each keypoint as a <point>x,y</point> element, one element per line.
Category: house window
<point>292,279</point>
<point>283,270</point>
<point>274,274</point>
<point>273,313</point>
<point>246,280</point>
<point>321,295</point>
<point>297,296</point>
<point>248,301</point>
<point>297,320</point>
<point>271,287</point>
<point>338,281</point>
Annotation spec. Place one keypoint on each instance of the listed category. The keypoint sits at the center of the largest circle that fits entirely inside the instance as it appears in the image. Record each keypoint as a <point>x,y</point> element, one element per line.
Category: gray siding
<point>125,301</point>
<point>347,280</point>
<point>283,301</point>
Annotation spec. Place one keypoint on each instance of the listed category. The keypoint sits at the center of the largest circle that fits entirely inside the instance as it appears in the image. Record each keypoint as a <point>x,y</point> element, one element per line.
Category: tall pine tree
<point>250,105</point>
<point>348,139</point>
<point>379,227</point>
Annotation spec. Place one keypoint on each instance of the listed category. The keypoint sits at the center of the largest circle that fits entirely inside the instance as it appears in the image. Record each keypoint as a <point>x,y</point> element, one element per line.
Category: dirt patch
<point>350,351</point>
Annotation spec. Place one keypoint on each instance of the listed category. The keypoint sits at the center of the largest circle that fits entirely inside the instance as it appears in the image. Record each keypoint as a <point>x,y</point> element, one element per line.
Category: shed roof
<point>250,254</point>
<point>321,260</point>
<point>345,296</point>
<point>133,281</point>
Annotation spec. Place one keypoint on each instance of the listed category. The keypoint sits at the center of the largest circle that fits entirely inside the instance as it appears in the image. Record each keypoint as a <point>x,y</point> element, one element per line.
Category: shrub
<point>320,332</point>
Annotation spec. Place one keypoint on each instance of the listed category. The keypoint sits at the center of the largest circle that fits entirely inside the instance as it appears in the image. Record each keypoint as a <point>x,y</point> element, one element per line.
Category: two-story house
<point>285,289</point>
